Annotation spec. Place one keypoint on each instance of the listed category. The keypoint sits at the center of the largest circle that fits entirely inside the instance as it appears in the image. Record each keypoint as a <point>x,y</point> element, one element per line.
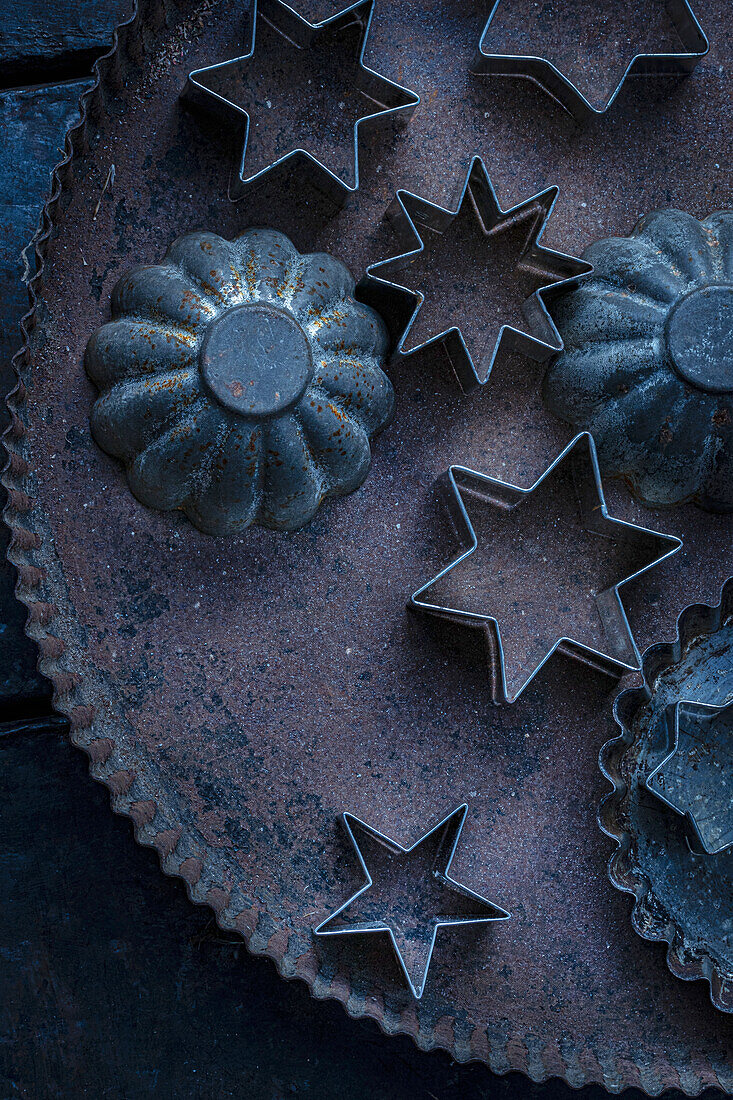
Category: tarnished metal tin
<point>240,381</point>
<point>647,366</point>
<point>682,895</point>
<point>235,694</point>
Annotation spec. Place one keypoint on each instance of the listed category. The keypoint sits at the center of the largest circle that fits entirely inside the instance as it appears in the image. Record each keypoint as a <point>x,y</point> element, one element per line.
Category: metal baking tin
<point>620,654</point>
<point>647,342</point>
<point>240,381</point>
<point>682,896</point>
<point>568,94</point>
<point>411,216</point>
<point>412,945</point>
<point>392,102</point>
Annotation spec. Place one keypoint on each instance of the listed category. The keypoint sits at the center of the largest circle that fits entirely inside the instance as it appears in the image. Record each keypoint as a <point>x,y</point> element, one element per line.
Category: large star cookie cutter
<point>369,98</point>
<point>527,609</point>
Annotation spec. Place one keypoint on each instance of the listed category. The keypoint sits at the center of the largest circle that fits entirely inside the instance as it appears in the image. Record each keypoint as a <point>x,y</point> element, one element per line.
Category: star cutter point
<point>413,217</point>
<point>620,653</point>
<point>389,99</point>
<point>446,834</point>
<point>695,778</point>
<point>543,72</point>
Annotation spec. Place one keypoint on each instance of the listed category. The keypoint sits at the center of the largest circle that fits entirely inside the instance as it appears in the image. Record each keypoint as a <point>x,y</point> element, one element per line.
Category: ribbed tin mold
<point>240,381</point>
<point>647,365</point>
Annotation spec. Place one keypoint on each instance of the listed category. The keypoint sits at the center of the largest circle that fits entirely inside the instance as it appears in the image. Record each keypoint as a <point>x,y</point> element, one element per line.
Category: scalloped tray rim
<point>520,1052</point>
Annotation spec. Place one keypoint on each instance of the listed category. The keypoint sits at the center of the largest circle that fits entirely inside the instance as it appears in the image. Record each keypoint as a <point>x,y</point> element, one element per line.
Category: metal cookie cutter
<point>383,99</point>
<point>695,779</point>
<point>418,221</point>
<point>516,580</point>
<point>405,894</point>
<point>694,44</point>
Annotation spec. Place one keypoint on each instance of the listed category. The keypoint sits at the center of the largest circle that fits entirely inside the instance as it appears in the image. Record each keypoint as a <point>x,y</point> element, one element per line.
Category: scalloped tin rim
<point>686,962</point>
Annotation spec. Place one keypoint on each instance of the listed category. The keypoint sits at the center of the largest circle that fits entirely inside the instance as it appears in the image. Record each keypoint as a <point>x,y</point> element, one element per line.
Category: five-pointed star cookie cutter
<point>695,778</point>
<point>541,70</point>
<point>620,654</point>
<point>390,100</point>
<point>413,216</point>
<point>450,827</point>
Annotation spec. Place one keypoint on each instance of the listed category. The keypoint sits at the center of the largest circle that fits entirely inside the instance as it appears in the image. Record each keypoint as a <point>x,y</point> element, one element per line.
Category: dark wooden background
<point>112,984</point>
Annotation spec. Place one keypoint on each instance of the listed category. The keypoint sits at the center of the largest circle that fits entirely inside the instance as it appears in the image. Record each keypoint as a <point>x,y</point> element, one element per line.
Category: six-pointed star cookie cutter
<point>696,781</point>
<point>620,654</point>
<point>390,100</point>
<point>548,76</point>
<point>450,827</point>
<point>399,305</point>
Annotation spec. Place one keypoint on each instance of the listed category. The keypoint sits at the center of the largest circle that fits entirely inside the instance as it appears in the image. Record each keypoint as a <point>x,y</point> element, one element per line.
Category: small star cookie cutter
<point>695,778</point>
<point>616,652</point>
<point>543,72</point>
<point>414,218</point>
<point>387,99</point>
<point>412,939</point>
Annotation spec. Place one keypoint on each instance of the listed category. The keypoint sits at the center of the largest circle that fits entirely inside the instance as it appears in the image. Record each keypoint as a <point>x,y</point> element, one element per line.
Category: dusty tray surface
<point>236,695</point>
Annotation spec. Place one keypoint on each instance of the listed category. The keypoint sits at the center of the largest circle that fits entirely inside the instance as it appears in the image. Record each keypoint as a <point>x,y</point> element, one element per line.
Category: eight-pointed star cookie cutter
<point>399,306</point>
<point>391,101</point>
<point>568,94</point>
<point>695,779</point>
<point>448,832</point>
<point>620,654</point>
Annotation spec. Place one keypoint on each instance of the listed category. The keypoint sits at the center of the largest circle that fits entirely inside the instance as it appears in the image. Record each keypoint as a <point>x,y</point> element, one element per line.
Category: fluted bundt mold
<point>240,381</point>
<point>647,365</point>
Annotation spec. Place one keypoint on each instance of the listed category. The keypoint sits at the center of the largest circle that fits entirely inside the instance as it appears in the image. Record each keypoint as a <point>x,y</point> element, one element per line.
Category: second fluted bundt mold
<point>647,366</point>
<point>240,381</point>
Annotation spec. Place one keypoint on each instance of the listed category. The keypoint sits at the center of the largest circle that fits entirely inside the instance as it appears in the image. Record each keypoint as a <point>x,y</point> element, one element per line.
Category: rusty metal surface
<point>234,696</point>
